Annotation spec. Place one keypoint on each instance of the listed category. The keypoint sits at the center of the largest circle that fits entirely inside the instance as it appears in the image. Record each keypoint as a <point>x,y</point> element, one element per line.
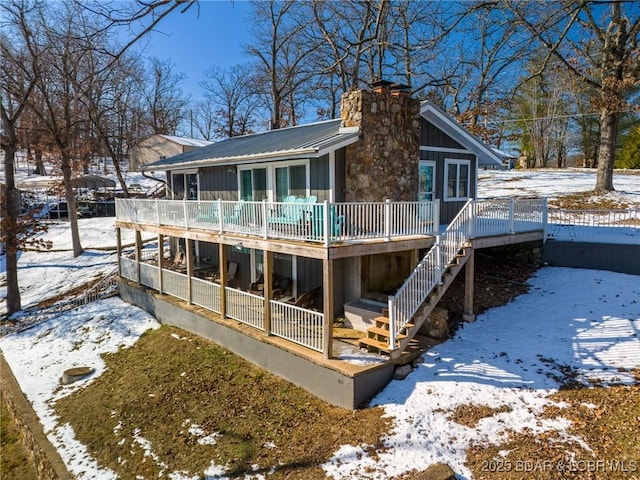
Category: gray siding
<point>433,136</point>
<point>319,177</point>
<point>449,209</point>
<point>309,272</point>
<point>219,183</point>
<point>340,186</point>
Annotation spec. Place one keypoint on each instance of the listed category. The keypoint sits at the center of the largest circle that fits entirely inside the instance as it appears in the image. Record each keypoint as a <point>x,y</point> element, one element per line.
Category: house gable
<point>431,135</point>
<point>158,146</point>
<point>457,134</point>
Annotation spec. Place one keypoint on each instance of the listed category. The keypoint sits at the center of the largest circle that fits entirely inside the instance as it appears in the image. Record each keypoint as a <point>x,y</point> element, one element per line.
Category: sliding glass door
<point>253,184</point>
<point>281,181</point>
<point>291,180</point>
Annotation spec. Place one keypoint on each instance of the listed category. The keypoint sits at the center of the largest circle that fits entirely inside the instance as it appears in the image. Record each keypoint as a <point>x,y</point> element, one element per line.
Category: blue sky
<point>213,34</point>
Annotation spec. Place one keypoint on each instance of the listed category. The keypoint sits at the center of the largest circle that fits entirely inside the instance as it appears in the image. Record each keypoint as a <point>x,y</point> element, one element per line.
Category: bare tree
<point>417,34</point>
<point>165,102</point>
<point>15,89</point>
<point>543,114</point>
<point>106,95</point>
<point>203,117</point>
<point>347,35</point>
<point>281,59</point>
<point>56,53</point>
<point>598,44</point>
<point>231,95</point>
<point>42,50</point>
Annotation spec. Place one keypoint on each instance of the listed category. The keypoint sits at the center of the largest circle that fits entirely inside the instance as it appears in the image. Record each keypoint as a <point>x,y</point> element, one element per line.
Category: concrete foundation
<point>337,382</point>
<point>620,258</point>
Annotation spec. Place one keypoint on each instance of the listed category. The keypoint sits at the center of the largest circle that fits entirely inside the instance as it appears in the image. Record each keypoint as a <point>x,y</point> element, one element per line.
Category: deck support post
<point>414,259</point>
<point>222,249</point>
<point>189,252</point>
<point>268,289</point>
<point>327,301</point>
<point>160,260</point>
<point>469,272</point>
<point>119,249</point>
<point>545,220</point>
<point>138,254</point>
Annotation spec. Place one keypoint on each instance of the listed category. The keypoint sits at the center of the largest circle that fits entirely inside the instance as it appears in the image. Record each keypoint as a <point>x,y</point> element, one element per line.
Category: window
<point>273,182</point>
<point>457,180</point>
<point>291,180</point>
<point>192,186</point>
<point>184,185</point>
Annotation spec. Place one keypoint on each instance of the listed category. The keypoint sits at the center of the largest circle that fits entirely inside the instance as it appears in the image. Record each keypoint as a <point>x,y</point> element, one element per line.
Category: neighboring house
<point>306,224</point>
<point>158,147</point>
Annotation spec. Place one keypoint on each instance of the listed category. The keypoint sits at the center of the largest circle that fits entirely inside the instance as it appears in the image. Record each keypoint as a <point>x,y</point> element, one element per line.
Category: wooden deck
<point>336,250</point>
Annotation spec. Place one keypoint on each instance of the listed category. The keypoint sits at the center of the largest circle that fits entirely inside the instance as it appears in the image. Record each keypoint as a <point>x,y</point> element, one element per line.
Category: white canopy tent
<point>47,181</point>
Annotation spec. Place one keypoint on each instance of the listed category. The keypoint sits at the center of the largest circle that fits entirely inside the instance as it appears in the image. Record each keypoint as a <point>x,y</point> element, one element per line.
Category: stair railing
<point>404,304</point>
<point>103,289</point>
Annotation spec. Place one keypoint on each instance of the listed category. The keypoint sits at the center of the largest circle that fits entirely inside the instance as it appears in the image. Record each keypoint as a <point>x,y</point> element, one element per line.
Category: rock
<point>437,325</point>
<point>437,471</point>
<point>75,374</point>
<point>401,372</point>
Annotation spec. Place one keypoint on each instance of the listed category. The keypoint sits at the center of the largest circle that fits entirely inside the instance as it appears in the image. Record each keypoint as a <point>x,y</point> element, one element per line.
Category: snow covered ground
<point>585,319</point>
<point>553,183</point>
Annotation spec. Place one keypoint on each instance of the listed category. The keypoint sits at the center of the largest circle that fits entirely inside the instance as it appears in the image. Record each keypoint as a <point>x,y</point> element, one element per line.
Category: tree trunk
<point>11,209</point>
<point>65,166</point>
<point>115,159</point>
<point>40,170</point>
<point>607,150</point>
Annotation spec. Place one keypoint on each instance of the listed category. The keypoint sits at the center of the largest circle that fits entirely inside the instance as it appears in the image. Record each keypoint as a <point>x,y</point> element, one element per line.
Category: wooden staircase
<point>377,339</point>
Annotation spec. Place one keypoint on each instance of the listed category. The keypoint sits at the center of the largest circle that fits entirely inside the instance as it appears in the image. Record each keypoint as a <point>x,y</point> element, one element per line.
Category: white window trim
<point>271,174</point>
<point>458,162</point>
<point>428,148</point>
<point>184,174</point>
<point>432,163</point>
<point>332,176</point>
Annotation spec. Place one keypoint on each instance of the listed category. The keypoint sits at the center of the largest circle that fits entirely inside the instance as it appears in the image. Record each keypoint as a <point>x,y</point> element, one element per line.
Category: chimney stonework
<point>384,162</point>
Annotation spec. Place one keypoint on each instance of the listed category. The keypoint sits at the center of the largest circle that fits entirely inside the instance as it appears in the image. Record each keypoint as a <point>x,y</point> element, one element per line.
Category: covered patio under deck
<point>266,313</point>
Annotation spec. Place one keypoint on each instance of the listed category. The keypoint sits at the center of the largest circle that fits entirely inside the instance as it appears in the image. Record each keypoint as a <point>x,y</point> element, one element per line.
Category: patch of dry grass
<point>14,463</point>
<point>470,415</point>
<point>163,386</point>
<point>607,419</point>
<point>588,201</point>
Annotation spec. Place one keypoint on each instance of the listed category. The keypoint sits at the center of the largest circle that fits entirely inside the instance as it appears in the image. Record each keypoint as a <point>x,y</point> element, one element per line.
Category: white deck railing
<point>312,222</point>
<point>245,307</point>
<point>404,304</point>
<point>205,294</point>
<point>149,276</point>
<point>497,216</point>
<point>476,219</point>
<point>290,322</point>
<point>296,324</point>
<point>610,226</point>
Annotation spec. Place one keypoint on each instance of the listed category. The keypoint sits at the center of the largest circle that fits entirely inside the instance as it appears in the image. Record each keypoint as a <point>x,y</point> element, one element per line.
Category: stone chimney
<point>384,162</point>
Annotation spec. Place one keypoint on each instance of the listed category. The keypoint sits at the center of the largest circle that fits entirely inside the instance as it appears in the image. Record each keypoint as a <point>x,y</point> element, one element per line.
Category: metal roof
<point>304,141</point>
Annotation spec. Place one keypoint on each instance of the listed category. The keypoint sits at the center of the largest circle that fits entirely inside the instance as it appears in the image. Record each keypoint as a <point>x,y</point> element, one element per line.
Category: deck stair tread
<point>383,332</point>
<point>381,346</point>
<point>385,320</point>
